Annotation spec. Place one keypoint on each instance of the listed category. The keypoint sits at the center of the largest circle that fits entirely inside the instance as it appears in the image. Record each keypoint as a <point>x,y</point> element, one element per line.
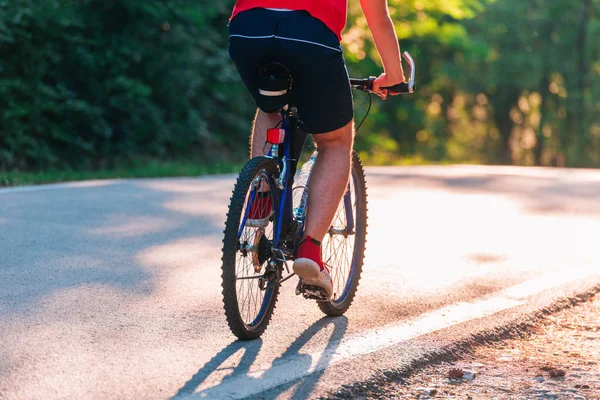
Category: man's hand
<point>385,80</point>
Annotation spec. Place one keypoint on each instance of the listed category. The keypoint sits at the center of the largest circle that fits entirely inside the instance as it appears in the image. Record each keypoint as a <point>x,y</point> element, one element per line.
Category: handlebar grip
<point>399,88</point>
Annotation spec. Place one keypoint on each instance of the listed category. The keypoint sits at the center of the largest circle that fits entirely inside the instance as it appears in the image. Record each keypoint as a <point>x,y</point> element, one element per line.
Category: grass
<point>150,169</point>
<point>386,159</point>
<point>164,169</point>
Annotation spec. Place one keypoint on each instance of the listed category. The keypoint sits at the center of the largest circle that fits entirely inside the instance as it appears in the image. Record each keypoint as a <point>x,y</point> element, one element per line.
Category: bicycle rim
<point>249,299</point>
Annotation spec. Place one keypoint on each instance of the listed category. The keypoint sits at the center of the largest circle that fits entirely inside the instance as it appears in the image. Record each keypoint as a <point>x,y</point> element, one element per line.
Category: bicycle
<point>255,256</point>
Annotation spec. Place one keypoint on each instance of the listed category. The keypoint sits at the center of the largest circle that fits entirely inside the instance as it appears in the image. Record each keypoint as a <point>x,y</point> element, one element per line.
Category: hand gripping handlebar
<point>366,84</point>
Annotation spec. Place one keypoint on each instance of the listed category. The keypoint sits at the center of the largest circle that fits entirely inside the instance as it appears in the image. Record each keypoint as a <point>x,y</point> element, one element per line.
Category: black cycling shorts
<point>309,48</point>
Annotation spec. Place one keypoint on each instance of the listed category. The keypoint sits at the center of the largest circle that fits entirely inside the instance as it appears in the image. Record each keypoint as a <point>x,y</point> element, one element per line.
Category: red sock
<point>311,248</point>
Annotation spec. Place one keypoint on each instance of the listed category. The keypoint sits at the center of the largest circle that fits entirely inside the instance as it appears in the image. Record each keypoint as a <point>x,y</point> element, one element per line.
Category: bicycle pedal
<point>314,293</point>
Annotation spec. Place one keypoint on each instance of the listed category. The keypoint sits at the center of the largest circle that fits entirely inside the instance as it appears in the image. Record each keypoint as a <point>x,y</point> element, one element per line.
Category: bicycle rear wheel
<point>343,248</point>
<point>249,289</point>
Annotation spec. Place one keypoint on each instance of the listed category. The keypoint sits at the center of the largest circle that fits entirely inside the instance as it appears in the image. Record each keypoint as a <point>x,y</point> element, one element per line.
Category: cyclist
<point>305,36</point>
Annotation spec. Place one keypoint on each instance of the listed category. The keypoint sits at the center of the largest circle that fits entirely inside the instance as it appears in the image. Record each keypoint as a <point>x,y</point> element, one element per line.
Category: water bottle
<point>301,187</point>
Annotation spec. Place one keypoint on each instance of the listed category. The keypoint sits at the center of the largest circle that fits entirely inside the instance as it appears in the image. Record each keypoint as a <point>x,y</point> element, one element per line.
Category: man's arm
<point>382,28</point>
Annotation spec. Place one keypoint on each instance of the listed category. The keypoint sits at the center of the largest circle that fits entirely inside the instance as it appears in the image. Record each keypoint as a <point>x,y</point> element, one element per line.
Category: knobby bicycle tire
<point>256,167</point>
<point>339,305</point>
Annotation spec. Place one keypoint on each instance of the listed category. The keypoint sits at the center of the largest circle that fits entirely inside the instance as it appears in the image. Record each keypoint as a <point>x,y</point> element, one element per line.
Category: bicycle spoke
<point>339,246</point>
<point>248,298</point>
<point>250,295</point>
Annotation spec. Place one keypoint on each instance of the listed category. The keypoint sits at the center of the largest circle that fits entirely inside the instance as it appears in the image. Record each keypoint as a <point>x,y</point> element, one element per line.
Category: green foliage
<point>139,169</point>
<point>511,81</point>
<point>90,83</point>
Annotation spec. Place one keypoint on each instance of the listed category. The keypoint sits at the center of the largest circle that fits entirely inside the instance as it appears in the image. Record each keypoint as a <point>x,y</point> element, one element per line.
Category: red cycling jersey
<point>331,12</point>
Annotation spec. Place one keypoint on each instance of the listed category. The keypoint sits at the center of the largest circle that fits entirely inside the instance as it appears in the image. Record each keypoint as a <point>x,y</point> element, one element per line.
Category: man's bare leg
<point>328,182</point>
<point>262,122</point>
<point>329,179</point>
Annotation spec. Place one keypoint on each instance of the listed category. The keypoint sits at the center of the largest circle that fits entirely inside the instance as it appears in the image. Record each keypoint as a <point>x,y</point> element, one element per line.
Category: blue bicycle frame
<point>288,160</point>
<point>287,164</point>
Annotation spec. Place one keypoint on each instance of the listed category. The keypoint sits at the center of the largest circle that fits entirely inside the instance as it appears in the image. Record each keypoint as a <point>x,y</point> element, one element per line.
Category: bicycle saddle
<point>274,86</point>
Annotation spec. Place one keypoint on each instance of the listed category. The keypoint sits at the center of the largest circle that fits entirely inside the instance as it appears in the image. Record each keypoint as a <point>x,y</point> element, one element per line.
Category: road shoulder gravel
<point>555,356</point>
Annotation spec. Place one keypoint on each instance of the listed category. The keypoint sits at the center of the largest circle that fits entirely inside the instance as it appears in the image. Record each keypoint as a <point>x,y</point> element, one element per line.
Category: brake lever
<point>405,87</point>
<point>366,85</point>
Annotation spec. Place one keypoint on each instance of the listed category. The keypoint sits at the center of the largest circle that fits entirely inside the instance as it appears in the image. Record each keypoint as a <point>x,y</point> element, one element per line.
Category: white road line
<point>262,378</point>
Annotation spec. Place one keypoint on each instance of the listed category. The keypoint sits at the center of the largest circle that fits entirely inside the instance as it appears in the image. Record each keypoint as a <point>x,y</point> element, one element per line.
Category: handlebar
<point>366,84</point>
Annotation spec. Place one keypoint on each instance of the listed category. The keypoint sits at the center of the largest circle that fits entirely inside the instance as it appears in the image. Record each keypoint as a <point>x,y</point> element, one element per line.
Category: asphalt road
<point>111,289</point>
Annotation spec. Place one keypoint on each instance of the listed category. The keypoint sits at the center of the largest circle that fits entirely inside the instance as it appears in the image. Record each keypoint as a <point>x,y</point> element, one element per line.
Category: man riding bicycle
<point>305,36</point>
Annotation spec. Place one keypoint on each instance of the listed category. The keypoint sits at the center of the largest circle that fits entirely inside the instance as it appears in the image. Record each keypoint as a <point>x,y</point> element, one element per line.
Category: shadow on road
<point>304,372</point>
<point>251,350</point>
<point>305,384</point>
<point>60,238</point>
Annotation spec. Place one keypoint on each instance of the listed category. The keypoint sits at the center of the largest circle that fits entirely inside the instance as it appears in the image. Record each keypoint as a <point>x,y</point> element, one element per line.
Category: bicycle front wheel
<point>249,282</point>
<point>343,247</point>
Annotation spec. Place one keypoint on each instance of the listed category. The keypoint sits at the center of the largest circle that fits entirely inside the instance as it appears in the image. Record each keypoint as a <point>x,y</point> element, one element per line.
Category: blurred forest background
<point>96,84</point>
